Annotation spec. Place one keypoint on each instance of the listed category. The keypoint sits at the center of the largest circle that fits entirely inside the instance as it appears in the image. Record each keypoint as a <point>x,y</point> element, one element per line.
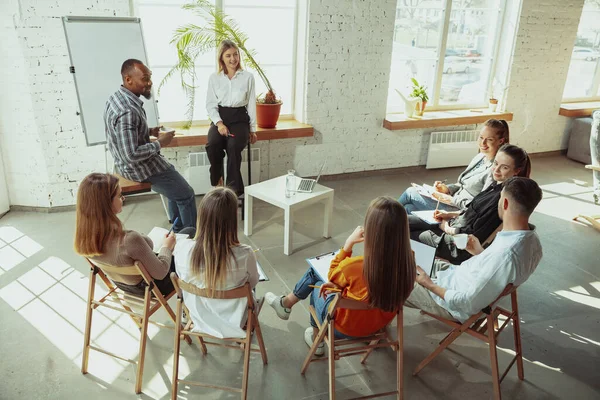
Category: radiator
<point>451,149</point>
<point>199,178</point>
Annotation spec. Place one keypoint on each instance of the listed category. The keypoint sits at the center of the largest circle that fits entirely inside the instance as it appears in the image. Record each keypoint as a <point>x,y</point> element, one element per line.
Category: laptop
<point>307,185</point>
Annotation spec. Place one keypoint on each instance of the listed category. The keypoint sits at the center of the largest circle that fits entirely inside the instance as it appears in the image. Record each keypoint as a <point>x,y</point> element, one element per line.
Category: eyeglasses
<point>122,197</point>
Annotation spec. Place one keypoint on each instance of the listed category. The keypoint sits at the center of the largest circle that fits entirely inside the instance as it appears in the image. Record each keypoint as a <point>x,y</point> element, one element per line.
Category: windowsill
<point>434,119</point>
<point>285,129</point>
<point>581,109</point>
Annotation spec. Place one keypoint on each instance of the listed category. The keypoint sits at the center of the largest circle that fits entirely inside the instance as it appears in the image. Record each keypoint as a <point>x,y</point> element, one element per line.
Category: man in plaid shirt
<point>136,157</point>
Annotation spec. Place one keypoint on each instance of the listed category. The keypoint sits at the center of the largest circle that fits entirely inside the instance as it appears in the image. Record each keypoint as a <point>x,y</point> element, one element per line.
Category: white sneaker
<point>308,339</point>
<point>275,302</point>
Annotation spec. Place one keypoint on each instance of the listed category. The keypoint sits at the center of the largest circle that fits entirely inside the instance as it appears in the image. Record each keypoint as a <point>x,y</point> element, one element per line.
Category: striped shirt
<point>136,158</point>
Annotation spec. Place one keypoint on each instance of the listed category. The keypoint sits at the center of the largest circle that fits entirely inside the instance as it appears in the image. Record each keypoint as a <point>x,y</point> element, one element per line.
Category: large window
<point>449,46</point>
<point>271,28</point>
<point>583,79</point>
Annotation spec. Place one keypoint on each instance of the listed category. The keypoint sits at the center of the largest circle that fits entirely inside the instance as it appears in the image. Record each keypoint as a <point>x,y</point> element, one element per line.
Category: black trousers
<point>433,236</point>
<point>238,122</point>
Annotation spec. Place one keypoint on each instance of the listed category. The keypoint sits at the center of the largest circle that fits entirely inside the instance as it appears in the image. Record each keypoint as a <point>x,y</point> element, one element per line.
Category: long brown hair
<point>389,266</point>
<point>520,158</point>
<point>501,128</point>
<point>216,235</point>
<point>97,224</point>
<point>223,47</point>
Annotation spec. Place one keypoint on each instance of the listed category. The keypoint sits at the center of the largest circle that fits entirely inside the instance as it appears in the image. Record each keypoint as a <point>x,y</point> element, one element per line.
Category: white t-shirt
<point>218,317</point>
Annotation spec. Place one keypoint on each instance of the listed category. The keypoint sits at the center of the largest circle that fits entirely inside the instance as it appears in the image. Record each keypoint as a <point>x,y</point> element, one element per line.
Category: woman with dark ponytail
<point>473,180</point>
<point>481,217</point>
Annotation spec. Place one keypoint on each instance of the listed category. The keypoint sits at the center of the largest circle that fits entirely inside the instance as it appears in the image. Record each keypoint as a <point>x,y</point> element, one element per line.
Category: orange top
<point>347,272</point>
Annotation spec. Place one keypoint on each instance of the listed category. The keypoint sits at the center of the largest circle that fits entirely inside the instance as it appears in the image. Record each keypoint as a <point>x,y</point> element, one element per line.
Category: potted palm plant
<point>191,40</point>
<point>419,92</point>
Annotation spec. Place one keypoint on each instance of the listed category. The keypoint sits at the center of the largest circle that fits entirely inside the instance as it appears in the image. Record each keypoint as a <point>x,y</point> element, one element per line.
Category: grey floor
<point>43,285</point>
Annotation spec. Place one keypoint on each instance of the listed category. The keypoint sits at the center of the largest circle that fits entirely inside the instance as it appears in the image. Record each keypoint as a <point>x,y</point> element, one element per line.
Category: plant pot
<point>420,108</point>
<point>493,104</point>
<point>267,115</point>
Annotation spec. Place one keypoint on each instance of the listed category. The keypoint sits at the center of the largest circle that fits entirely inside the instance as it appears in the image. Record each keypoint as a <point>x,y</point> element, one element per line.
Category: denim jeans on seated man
<point>182,202</point>
<point>413,201</point>
<point>321,305</point>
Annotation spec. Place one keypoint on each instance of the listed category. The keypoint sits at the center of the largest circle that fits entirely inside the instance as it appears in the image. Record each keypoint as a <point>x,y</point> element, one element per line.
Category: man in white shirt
<point>460,291</point>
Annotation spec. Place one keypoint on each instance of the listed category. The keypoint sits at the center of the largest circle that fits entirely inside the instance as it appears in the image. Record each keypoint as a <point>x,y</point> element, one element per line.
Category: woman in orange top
<point>383,277</point>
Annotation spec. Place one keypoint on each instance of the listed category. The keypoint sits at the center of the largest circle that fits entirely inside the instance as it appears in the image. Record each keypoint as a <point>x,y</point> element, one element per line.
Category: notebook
<point>426,216</point>
<point>425,190</point>
<point>158,234</point>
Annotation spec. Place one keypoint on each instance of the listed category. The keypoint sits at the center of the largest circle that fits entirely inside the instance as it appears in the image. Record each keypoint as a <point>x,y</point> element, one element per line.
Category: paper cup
<point>461,240</point>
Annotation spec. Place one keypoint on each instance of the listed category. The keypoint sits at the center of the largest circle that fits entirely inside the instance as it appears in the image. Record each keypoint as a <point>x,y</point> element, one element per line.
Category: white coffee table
<point>273,192</point>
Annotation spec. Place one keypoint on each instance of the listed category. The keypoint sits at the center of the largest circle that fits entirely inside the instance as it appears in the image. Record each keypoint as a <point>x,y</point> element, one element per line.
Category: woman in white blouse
<point>216,260</point>
<point>231,106</point>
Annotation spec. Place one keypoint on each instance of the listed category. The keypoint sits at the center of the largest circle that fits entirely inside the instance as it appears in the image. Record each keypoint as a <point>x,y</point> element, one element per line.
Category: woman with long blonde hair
<point>383,277</point>
<point>99,235</point>
<point>231,107</point>
<point>216,260</point>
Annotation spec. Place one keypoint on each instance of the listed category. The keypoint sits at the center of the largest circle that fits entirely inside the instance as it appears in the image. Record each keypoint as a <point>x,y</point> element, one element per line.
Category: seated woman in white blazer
<point>471,181</point>
<point>231,106</point>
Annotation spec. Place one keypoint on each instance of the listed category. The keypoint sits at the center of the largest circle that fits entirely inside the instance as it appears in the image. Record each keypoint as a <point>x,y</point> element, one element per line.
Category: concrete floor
<point>43,285</point>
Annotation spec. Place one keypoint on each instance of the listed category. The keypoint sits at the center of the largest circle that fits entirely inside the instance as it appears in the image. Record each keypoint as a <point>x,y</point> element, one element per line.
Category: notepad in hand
<point>426,216</point>
<point>158,234</point>
<point>425,190</point>
<point>321,263</point>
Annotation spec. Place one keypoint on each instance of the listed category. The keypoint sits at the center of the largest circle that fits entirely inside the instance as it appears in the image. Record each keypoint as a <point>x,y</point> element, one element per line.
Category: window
<point>583,78</point>
<point>276,52</point>
<point>466,32</point>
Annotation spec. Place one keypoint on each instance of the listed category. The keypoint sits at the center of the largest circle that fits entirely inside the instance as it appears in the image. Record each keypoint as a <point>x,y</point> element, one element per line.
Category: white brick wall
<point>347,69</point>
<point>546,35</point>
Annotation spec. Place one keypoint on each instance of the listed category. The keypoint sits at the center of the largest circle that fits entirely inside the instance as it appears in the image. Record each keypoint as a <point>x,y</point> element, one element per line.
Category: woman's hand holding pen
<point>170,241</point>
<point>440,215</point>
<point>444,198</point>
<point>223,130</point>
<point>355,237</point>
<point>328,288</point>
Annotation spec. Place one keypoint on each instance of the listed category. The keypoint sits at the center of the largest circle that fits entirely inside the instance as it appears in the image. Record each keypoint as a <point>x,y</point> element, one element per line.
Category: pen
<point>172,227</point>
<point>319,287</point>
<point>230,135</point>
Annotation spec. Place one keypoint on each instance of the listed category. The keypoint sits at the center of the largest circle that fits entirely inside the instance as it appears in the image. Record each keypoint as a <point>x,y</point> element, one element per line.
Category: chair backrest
<point>507,290</point>
<point>350,304</point>
<point>111,269</point>
<point>236,293</point>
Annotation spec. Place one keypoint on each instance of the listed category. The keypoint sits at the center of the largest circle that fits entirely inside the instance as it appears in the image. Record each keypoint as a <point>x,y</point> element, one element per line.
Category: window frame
<point>434,100</point>
<point>219,5</point>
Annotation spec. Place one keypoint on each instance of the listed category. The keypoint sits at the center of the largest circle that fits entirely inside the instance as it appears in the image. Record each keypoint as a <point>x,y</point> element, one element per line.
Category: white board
<point>98,46</point>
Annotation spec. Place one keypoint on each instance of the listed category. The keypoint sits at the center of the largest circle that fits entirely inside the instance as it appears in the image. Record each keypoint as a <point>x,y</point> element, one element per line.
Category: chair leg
<point>494,357</point>
<point>259,339</point>
<point>247,349</point>
<point>331,349</point>
<point>143,339</point>
<point>88,323</point>
<point>316,341</point>
<point>400,353</point>
<point>445,343</point>
<point>517,333</point>
<point>176,349</point>
<point>363,359</point>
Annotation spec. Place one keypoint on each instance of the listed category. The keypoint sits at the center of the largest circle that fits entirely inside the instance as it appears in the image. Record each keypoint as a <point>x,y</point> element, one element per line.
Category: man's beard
<point>148,95</point>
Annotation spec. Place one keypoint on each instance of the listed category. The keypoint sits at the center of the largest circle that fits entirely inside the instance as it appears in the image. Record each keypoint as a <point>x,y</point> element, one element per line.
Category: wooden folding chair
<point>118,300</point>
<point>484,326</point>
<point>338,348</point>
<point>244,344</point>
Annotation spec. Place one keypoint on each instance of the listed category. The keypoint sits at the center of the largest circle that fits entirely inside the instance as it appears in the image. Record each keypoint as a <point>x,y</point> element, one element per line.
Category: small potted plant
<point>493,104</point>
<point>419,92</point>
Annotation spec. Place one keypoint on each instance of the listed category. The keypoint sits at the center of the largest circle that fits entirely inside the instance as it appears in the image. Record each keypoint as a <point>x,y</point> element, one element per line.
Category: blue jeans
<point>321,305</point>
<point>413,201</point>
<point>182,203</point>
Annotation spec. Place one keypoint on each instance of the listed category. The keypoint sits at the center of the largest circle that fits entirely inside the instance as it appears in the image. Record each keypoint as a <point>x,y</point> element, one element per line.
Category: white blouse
<point>238,91</point>
<point>218,317</point>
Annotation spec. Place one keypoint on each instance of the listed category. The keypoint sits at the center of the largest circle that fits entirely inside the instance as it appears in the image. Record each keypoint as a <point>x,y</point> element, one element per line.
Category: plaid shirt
<point>136,158</point>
